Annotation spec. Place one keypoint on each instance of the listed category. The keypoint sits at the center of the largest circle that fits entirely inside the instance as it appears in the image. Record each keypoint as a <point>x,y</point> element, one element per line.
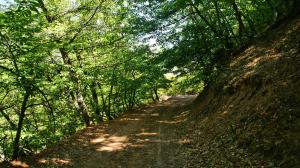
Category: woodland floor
<point>146,137</point>
<point>248,118</point>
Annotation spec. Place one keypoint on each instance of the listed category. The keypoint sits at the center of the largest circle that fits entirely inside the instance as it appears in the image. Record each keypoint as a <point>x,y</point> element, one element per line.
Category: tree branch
<point>86,23</point>
<point>8,70</point>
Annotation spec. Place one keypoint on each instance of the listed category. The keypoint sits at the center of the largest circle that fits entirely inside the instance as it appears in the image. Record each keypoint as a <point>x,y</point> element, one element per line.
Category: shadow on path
<point>147,137</point>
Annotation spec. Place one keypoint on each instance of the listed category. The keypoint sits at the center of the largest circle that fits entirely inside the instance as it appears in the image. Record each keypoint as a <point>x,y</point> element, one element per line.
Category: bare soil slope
<point>250,117</point>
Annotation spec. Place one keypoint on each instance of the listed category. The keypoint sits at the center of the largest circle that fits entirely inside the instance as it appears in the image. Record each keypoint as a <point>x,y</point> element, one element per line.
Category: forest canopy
<point>66,64</point>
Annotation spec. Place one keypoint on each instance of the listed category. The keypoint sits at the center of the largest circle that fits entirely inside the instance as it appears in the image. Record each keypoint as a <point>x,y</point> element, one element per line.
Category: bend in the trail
<point>147,137</point>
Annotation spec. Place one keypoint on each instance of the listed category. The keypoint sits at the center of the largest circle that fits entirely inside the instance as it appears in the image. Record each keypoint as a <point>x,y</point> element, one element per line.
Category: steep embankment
<point>251,116</point>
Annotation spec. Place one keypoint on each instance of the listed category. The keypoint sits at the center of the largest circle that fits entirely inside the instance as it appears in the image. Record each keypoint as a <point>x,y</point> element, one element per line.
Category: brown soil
<point>147,137</point>
<point>248,118</point>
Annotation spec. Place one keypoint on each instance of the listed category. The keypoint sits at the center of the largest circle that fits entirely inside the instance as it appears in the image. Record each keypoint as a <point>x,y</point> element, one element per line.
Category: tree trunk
<point>79,98</point>
<point>108,111</point>
<point>251,25</point>
<point>228,41</point>
<point>95,101</point>
<point>218,14</point>
<point>274,10</point>
<point>82,109</point>
<point>125,98</point>
<point>152,97</point>
<point>11,123</point>
<point>238,16</point>
<point>212,28</point>
<point>79,95</point>
<point>132,98</point>
<point>16,144</point>
<point>156,94</point>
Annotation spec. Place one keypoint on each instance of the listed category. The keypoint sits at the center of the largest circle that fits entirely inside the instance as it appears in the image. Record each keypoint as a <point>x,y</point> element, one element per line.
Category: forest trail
<point>146,137</point>
<point>249,117</point>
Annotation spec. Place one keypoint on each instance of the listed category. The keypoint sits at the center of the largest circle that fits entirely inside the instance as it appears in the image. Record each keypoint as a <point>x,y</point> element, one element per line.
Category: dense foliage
<point>199,36</point>
<point>69,63</point>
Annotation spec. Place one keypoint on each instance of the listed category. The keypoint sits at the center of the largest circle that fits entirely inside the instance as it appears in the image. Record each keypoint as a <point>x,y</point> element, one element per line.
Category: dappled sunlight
<point>148,131</point>
<point>169,122</point>
<point>111,143</point>
<point>182,117</point>
<point>247,74</point>
<point>148,141</point>
<point>249,51</point>
<point>160,141</point>
<point>184,142</point>
<point>98,140</point>
<point>57,161</point>
<point>110,147</point>
<point>225,112</point>
<point>165,97</point>
<point>256,61</point>
<point>148,134</point>
<point>20,164</point>
<point>130,119</point>
<point>137,145</point>
<point>251,62</point>
<point>253,57</point>
<point>136,115</point>
<point>155,115</point>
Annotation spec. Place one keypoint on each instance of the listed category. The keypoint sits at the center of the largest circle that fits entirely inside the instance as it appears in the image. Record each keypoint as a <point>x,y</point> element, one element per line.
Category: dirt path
<point>149,137</point>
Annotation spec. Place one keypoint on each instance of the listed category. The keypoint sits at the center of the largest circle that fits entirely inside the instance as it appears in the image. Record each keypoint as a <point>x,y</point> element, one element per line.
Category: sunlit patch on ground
<point>177,119</point>
<point>57,161</point>
<point>168,122</point>
<point>185,142</point>
<point>256,61</point>
<point>182,115</point>
<point>155,114</point>
<point>148,134</point>
<point>129,119</point>
<point>147,140</point>
<point>137,134</point>
<point>98,140</point>
<point>164,97</point>
<point>136,115</point>
<point>109,147</point>
<point>137,146</point>
<point>112,143</point>
<point>17,163</point>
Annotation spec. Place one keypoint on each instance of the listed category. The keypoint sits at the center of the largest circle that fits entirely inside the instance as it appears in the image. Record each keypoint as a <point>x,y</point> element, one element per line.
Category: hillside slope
<point>250,117</point>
